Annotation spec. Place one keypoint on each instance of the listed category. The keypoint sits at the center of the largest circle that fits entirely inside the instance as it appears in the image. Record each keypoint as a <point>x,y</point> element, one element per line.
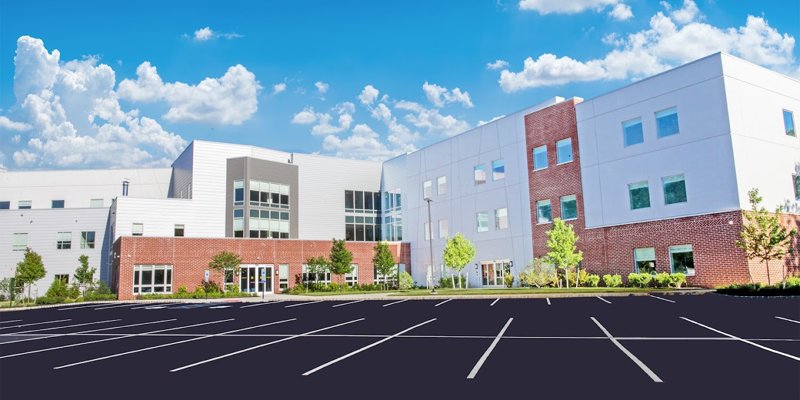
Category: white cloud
<point>322,87</point>
<point>278,88</point>
<point>6,123</point>
<point>482,122</point>
<point>324,125</point>
<point>368,95</point>
<point>688,13</point>
<point>439,95</point>
<point>665,44</point>
<point>305,117</point>
<point>363,143</point>
<point>497,64</point>
<point>436,123</point>
<point>621,12</point>
<point>231,99</point>
<point>545,7</point>
<point>206,33</point>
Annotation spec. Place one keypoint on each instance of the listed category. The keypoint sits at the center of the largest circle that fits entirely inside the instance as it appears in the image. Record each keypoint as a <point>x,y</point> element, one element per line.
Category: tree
<point>340,259</point>
<point>30,269</point>
<point>762,237</point>
<point>225,262</point>
<point>316,266</point>
<point>10,288</point>
<point>561,243</point>
<point>458,252</point>
<point>84,275</point>
<point>383,260</point>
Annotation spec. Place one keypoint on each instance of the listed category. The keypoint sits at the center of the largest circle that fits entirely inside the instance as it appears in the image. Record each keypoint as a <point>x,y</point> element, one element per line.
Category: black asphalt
<point>553,351</point>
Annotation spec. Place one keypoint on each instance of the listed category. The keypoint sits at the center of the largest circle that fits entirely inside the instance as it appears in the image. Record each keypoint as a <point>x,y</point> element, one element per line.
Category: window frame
<point>427,189</point>
<point>533,157</point>
<point>441,185</point>
<point>558,153</point>
<point>539,204</point>
<point>85,242</point>
<point>64,240</point>
<point>97,203</point>
<point>789,132</point>
<point>499,218</point>
<point>482,216</point>
<point>475,170</point>
<point>18,247</point>
<point>137,283</point>
<point>561,202</point>
<point>664,182</point>
<point>498,175</point>
<point>181,228</point>
<point>629,124</point>
<point>636,260</point>
<point>630,194</point>
<point>5,205</point>
<point>24,204</point>
<point>57,203</point>
<point>674,250</point>
<point>140,231</point>
<point>663,114</point>
<point>446,229</point>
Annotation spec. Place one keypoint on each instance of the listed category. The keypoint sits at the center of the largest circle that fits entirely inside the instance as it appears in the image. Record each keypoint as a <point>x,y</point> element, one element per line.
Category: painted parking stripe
<point>438,304</point>
<point>349,302</point>
<point>147,305</point>
<point>367,347</point>
<point>394,302</point>
<point>9,321</point>
<point>548,300</point>
<point>264,345</point>
<point>37,323</point>
<point>495,301</point>
<point>112,338</point>
<point>125,353</point>
<point>75,307</point>
<point>603,299</point>
<point>88,331</point>
<point>661,298</point>
<point>115,306</point>
<point>630,355</point>
<point>302,304</point>
<point>215,307</point>
<point>262,304</point>
<point>60,327</point>
<point>787,319</point>
<point>488,351</point>
<point>742,340</point>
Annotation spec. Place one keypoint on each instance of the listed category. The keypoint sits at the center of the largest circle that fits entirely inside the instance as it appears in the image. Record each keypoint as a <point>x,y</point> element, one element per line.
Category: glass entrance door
<point>494,272</point>
<point>256,278</point>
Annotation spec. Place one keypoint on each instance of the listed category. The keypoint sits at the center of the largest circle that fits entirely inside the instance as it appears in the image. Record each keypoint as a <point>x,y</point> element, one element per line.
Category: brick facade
<point>189,257</point>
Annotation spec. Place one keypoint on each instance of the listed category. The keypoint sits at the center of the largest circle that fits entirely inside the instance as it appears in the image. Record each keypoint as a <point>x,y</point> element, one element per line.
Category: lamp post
<point>430,239</point>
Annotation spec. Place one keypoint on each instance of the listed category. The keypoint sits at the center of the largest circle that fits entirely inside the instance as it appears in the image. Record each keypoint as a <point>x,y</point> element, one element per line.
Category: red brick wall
<point>190,256</point>
<point>789,266</point>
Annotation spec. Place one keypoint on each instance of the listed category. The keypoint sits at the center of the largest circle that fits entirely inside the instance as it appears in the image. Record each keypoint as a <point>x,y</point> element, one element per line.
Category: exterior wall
<point>189,257</point>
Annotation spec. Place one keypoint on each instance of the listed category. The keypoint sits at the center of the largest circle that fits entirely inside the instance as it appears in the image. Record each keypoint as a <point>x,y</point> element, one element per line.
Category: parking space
<point>620,346</point>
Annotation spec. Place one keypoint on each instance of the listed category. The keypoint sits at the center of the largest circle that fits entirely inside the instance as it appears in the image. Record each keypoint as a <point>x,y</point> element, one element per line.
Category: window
<point>564,150</point>
<point>498,170</point>
<point>482,221</point>
<point>152,279</point>
<point>674,189</point>
<point>267,194</point>
<point>540,158</point>
<point>645,259</point>
<point>639,194</point>
<point>796,187</point>
<point>19,241</point>
<point>96,203</point>
<point>681,259</point>
<point>427,227</point>
<point>427,189</point>
<point>137,230</point>
<point>391,277</point>
<point>5,205</point>
<point>180,230</point>
<point>501,218</point>
<point>351,279</point>
<point>62,277</point>
<point>319,277</point>
<point>569,207</point>
<point>238,192</point>
<point>283,276</point>
<point>443,229</point>
<point>64,241</point>
<point>543,212</point>
<point>788,123</point>
<point>441,185</point>
<point>480,174</point>
<point>24,204</point>
<point>87,239</point>
<point>667,122</point>
<point>238,223</point>
<point>632,132</point>
<point>348,199</point>
<point>359,200</point>
<point>57,204</point>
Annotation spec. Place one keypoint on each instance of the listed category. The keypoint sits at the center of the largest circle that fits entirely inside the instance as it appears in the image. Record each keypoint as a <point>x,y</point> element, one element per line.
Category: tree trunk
<point>453,280</point>
<point>769,280</point>
<point>783,275</point>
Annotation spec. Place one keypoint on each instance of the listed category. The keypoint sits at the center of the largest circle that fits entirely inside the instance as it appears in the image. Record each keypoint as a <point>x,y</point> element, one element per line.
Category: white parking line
<point>394,302</point>
<point>349,302</point>
<point>488,351</point>
<point>215,307</point>
<point>148,306</point>
<point>262,304</point>
<point>115,306</point>
<point>59,327</point>
<point>263,345</point>
<point>630,355</point>
<point>367,347</point>
<point>495,301</point>
<point>112,338</point>
<point>742,340</point>
<point>302,304</point>
<point>548,300</point>
<point>170,344</point>
<point>80,306</point>
<point>12,320</point>
<point>37,323</point>
<point>787,319</point>
<point>438,304</point>
<point>604,299</point>
<point>85,332</point>
<point>661,298</point>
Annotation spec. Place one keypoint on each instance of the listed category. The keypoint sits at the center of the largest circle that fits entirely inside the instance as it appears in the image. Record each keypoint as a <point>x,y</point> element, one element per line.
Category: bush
<point>51,299</point>
<point>447,281</point>
<point>592,280</point>
<point>406,282</point>
<point>97,296</point>
<point>756,289</point>
<point>508,279</point>
<point>639,280</point>
<point>538,273</point>
<point>662,280</point>
<point>208,287</point>
<point>101,288</point>
<point>677,280</point>
<point>612,280</point>
<point>792,281</point>
<point>57,289</point>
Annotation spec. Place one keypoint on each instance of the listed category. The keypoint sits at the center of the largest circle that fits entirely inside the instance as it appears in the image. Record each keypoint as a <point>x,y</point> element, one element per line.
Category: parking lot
<point>613,347</point>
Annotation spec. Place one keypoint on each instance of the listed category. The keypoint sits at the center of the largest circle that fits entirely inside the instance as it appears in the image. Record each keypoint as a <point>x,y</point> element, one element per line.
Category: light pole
<point>430,239</point>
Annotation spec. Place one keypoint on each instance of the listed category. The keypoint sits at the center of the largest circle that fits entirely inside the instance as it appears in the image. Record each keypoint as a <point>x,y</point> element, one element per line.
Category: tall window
<point>137,229</point>
<point>238,192</point>
<point>427,228</point>
<point>443,229</point>
<point>238,222</point>
<point>482,221</point>
<point>351,279</point>
<point>24,204</point>
<point>501,218</point>
<point>788,123</point>
<point>632,132</point>
<point>498,169</point>
<point>564,150</point>
<point>152,279</point>
<point>180,230</point>
<point>480,174</point>
<point>57,204</point>
<point>427,190</point>
<point>19,241</point>
<point>674,189</point>
<point>441,185</point>
<point>569,207</point>
<point>64,241</point>
<point>645,259</point>
<point>681,259</point>
<point>96,203</point>
<point>540,158</point>
<point>639,194</point>
<point>283,276</point>
<point>5,205</point>
<point>87,240</point>
<point>796,187</point>
<point>362,216</point>
<point>667,122</point>
<point>543,212</point>
<point>393,217</point>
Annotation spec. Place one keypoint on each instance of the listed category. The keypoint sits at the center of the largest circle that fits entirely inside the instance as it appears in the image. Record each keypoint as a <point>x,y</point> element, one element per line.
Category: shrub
<point>677,280</point>
<point>447,281</point>
<point>538,273</point>
<point>51,299</point>
<point>57,289</point>
<point>182,290</point>
<point>612,280</point>
<point>406,282</point>
<point>98,296</point>
<point>639,280</point>
<point>592,280</point>
<point>755,289</point>
<point>508,279</point>
<point>792,281</point>
<point>662,280</point>
<point>100,288</point>
<point>209,287</point>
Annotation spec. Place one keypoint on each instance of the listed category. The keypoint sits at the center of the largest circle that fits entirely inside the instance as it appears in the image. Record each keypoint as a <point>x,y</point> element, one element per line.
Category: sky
<point>98,84</point>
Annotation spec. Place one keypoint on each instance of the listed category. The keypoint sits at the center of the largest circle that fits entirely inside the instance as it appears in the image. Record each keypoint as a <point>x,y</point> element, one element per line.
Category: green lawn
<point>346,292</point>
<point>523,291</point>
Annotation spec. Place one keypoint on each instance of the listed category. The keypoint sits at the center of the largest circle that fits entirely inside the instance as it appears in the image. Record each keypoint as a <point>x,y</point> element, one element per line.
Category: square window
<point>19,241</point>
<point>87,239</point>
<point>501,218</point>
<point>569,207</point>
<point>639,194</point>
<point>427,189</point>
<point>64,241</point>
<point>667,122</point>
<point>674,189</point>
<point>543,212</point>
<point>681,259</point>
<point>441,185</point>
<point>24,205</point>
<point>632,132</point>
<point>58,204</point>
<point>564,150</point>
<point>788,123</point>
<point>5,205</point>
<point>480,174</point>
<point>96,203</point>
<point>180,230</point>
<point>498,170</point>
<point>540,158</point>
<point>443,229</point>
<point>137,229</point>
<point>482,221</point>
<point>645,259</point>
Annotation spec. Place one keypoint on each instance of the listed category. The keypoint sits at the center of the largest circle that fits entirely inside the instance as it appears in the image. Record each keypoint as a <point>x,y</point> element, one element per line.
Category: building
<point>653,177</point>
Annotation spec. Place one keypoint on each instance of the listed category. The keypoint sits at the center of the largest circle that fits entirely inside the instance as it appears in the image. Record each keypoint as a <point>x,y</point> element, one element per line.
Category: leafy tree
<point>383,260</point>
<point>762,237</point>
<point>316,266</point>
<point>561,243</point>
<point>458,252</point>
<point>226,263</point>
<point>84,276</point>
<point>10,288</point>
<point>341,259</point>
<point>30,269</point>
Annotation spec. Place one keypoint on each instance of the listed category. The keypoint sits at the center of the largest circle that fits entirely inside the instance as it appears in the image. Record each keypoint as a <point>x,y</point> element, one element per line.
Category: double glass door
<point>255,278</point>
<point>493,272</point>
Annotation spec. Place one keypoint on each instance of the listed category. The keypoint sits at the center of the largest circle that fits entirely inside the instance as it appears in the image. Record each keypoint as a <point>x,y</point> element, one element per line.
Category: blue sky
<point>132,83</point>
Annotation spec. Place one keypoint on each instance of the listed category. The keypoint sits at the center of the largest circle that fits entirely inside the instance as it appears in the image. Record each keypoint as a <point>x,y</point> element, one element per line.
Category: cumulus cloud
<point>368,95</point>
<point>665,44</point>
<point>278,88</point>
<point>230,99</point>
<point>434,122</point>
<point>439,95</point>
<point>324,126</point>
<point>206,33</point>
<point>363,143</point>
<point>322,87</point>
<point>7,124</point>
<point>497,64</point>
<point>619,10</point>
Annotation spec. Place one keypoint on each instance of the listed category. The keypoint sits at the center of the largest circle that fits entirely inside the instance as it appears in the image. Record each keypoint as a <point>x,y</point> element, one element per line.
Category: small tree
<point>561,243</point>
<point>341,259</point>
<point>226,263</point>
<point>383,260</point>
<point>316,266</point>
<point>762,236</point>
<point>458,252</point>
<point>30,269</point>
<point>84,276</point>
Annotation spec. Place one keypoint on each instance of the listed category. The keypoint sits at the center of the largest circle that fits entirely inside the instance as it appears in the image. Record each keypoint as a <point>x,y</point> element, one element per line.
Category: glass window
<point>352,278</point>
<point>443,229</point>
<point>377,198</point>
<point>797,187</point>
<point>667,122</point>
<point>632,132</point>
<point>349,232</point>
<point>498,170</point>
<point>639,194</point>
<point>138,229</point>
<point>283,276</point>
<point>64,240</point>
<point>674,189</point>
<point>238,192</point>
<point>645,259</point>
<point>5,205</point>
<point>96,203</point>
<point>564,150</point>
<point>540,158</point>
<point>24,204</point>
<point>19,241</point>
<point>359,200</point>
<point>368,201</point>
<point>58,204</point>
<point>238,213</point>
<point>427,228</point>
<point>87,240</point>
<point>480,174</point>
<point>482,220</point>
<point>681,259</point>
<point>501,218</point>
<point>323,277</point>
<point>179,230</point>
<point>152,279</point>
<point>348,199</point>
<point>441,185</point>
<point>543,212</point>
<point>427,189</point>
<point>788,123</point>
<point>569,207</point>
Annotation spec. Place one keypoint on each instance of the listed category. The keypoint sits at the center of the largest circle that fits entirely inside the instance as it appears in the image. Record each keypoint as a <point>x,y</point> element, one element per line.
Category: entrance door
<point>494,272</point>
<point>256,278</point>
<point>487,273</point>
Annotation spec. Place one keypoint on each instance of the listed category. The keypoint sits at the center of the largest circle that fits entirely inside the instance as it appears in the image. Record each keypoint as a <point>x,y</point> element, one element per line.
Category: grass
<point>524,291</point>
<point>345,293</point>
